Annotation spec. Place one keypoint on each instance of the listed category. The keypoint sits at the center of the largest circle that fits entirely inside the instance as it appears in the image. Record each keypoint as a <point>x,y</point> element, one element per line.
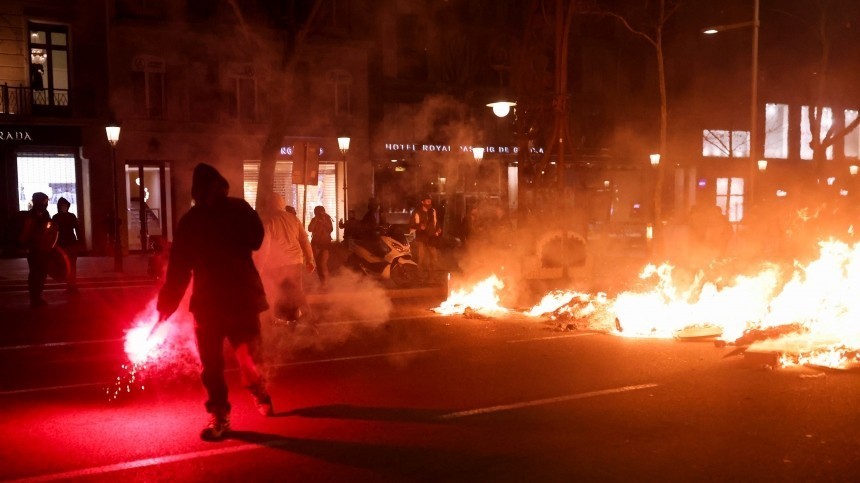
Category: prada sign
<point>15,136</point>
<point>45,135</point>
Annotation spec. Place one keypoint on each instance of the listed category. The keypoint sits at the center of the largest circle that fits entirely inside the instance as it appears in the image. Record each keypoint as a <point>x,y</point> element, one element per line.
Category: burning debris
<point>807,313</point>
<point>482,299</point>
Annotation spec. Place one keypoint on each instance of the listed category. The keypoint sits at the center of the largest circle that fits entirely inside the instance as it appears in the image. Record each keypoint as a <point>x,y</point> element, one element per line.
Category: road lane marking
<point>130,465</point>
<point>352,358</point>
<point>59,344</point>
<point>285,364</point>
<point>379,321</point>
<point>321,324</point>
<point>274,443</point>
<point>542,402</point>
<point>579,334</point>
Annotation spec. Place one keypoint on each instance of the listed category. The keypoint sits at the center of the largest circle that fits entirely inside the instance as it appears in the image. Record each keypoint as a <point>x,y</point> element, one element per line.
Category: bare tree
<point>280,75</point>
<point>648,24</point>
<point>829,29</point>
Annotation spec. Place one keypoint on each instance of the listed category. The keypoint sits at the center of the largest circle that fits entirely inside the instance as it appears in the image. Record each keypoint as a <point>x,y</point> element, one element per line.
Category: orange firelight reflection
<point>483,298</point>
<point>815,306</point>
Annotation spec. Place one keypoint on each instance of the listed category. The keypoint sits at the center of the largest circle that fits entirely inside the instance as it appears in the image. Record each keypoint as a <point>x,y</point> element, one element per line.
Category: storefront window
<point>852,139</point>
<point>776,134</point>
<point>825,119</point>
<point>52,174</point>
<point>324,193</point>
<point>730,198</point>
<point>725,144</point>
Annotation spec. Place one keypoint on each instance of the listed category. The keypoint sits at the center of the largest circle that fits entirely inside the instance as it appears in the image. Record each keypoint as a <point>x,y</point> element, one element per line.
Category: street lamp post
<point>753,164</point>
<point>112,131</point>
<point>343,145</point>
<point>478,154</point>
<point>649,230</point>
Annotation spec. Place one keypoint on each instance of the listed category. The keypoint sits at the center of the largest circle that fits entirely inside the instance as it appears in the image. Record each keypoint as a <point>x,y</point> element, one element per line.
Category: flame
<point>483,298</point>
<point>809,314</point>
<point>154,350</point>
<point>143,342</point>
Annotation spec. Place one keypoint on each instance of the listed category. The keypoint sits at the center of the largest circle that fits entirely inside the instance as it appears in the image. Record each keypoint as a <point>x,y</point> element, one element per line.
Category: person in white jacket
<point>284,254</point>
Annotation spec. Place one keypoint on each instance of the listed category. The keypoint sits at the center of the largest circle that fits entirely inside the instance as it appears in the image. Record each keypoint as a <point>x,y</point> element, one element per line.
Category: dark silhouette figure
<point>213,243</point>
<point>39,236</point>
<point>321,228</point>
<point>424,223</point>
<point>68,240</point>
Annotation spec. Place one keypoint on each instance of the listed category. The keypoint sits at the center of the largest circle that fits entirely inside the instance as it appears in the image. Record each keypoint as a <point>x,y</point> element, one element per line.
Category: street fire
<point>483,299</point>
<point>809,314</point>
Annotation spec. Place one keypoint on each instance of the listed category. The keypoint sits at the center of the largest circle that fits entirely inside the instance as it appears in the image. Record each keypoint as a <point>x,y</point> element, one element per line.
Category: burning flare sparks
<point>144,343</point>
<point>809,314</point>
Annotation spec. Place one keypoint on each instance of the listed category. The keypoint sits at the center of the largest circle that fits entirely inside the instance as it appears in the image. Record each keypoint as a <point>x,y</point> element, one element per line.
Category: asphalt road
<point>412,396</point>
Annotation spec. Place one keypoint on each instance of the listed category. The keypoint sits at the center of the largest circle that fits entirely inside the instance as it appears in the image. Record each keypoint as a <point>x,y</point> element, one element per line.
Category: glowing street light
<point>501,108</point>
<point>343,145</point>
<point>478,153</point>
<point>762,165</point>
<point>655,160</point>
<point>112,132</point>
<point>853,169</point>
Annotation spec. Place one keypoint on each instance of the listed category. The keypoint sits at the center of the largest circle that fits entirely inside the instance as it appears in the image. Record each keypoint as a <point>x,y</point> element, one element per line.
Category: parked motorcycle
<point>385,254</point>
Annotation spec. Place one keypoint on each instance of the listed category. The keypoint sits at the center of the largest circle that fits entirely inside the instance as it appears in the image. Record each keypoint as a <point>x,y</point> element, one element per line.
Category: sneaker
<point>218,427</point>
<point>264,405</point>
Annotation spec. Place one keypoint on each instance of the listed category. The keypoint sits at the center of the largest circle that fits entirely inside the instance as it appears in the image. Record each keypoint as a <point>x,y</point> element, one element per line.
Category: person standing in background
<point>425,225</point>
<point>68,240</point>
<point>283,254</point>
<point>321,228</point>
<point>39,236</point>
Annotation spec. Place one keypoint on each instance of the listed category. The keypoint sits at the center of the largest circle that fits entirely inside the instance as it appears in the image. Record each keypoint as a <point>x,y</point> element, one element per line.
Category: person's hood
<point>207,184</point>
<point>276,202</point>
<point>63,202</point>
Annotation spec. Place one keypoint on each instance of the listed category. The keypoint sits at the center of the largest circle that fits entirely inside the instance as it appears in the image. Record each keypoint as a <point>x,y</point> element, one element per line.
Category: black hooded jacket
<point>214,241</point>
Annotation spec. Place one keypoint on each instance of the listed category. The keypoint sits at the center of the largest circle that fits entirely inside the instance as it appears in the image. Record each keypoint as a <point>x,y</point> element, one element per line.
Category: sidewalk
<point>14,271</point>
<point>99,272</point>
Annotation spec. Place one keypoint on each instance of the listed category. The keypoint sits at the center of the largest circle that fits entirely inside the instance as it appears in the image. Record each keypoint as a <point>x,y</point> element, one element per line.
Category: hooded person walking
<point>213,243</point>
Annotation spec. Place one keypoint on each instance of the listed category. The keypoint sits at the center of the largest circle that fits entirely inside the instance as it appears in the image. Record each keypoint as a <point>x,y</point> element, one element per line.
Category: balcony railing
<point>24,101</point>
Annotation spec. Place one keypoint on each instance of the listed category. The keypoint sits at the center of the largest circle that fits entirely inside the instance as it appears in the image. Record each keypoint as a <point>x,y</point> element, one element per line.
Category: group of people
<point>52,244</point>
<point>229,267</point>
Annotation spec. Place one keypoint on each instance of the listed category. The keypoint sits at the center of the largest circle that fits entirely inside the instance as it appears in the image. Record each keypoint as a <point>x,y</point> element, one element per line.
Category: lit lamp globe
<point>853,169</point>
<point>762,165</point>
<point>343,144</point>
<point>655,160</point>
<point>478,153</point>
<point>501,108</point>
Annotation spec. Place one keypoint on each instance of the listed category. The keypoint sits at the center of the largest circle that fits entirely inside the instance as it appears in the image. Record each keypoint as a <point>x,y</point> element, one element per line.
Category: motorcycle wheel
<point>405,274</point>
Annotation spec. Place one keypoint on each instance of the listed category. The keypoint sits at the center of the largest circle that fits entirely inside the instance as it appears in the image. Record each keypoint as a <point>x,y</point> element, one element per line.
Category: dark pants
<point>321,256</point>
<point>290,298</point>
<point>72,276</point>
<point>242,330</point>
<point>37,261</point>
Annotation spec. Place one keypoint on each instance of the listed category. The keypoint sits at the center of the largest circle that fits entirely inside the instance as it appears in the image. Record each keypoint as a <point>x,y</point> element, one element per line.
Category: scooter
<point>385,254</point>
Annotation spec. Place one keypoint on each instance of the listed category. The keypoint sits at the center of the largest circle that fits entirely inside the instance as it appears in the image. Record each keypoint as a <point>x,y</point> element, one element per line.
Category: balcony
<point>27,101</point>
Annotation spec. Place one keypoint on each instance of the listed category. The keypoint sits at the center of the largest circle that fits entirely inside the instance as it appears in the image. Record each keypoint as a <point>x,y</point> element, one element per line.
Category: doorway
<point>147,185</point>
